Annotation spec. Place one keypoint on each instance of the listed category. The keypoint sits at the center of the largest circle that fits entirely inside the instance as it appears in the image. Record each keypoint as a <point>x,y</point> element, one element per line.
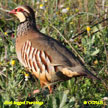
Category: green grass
<point>92,46</point>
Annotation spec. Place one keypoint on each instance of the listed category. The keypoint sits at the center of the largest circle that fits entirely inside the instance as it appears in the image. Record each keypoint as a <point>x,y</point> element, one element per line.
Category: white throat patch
<point>20,16</point>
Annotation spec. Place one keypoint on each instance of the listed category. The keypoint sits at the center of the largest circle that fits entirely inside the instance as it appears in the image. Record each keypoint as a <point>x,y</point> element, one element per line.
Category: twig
<point>90,27</point>
<point>75,52</point>
<point>5,10</point>
<point>1,73</point>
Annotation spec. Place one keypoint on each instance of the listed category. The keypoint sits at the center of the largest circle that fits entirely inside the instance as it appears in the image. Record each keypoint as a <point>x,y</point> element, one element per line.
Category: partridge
<point>47,58</point>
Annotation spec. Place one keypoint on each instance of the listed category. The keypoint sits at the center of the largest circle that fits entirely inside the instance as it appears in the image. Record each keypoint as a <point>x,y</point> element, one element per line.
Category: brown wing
<point>49,60</point>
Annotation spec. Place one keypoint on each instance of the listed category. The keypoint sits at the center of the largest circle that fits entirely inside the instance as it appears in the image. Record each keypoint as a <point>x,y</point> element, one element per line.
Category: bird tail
<point>91,75</point>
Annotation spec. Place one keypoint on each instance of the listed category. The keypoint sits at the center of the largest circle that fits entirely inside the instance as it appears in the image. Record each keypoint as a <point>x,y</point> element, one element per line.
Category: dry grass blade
<point>75,52</point>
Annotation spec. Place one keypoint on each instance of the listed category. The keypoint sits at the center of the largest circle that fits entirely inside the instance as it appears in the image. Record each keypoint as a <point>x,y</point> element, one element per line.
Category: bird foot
<point>34,92</point>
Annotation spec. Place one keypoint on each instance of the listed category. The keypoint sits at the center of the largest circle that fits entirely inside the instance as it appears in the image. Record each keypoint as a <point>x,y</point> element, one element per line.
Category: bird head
<point>23,13</point>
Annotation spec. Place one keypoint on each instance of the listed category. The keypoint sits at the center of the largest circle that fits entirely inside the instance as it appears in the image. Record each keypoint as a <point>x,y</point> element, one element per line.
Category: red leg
<point>50,89</point>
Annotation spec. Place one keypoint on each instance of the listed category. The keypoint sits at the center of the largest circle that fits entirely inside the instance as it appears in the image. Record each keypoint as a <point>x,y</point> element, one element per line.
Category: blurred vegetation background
<point>82,26</point>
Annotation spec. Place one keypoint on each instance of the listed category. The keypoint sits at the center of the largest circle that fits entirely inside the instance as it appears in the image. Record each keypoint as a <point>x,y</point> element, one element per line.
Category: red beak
<point>12,12</point>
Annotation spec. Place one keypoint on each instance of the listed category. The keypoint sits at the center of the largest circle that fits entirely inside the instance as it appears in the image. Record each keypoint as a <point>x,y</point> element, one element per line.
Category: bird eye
<point>19,10</point>
<point>15,10</point>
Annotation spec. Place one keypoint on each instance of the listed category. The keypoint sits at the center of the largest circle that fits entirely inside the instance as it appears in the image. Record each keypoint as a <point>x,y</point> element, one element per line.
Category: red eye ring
<point>20,10</point>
